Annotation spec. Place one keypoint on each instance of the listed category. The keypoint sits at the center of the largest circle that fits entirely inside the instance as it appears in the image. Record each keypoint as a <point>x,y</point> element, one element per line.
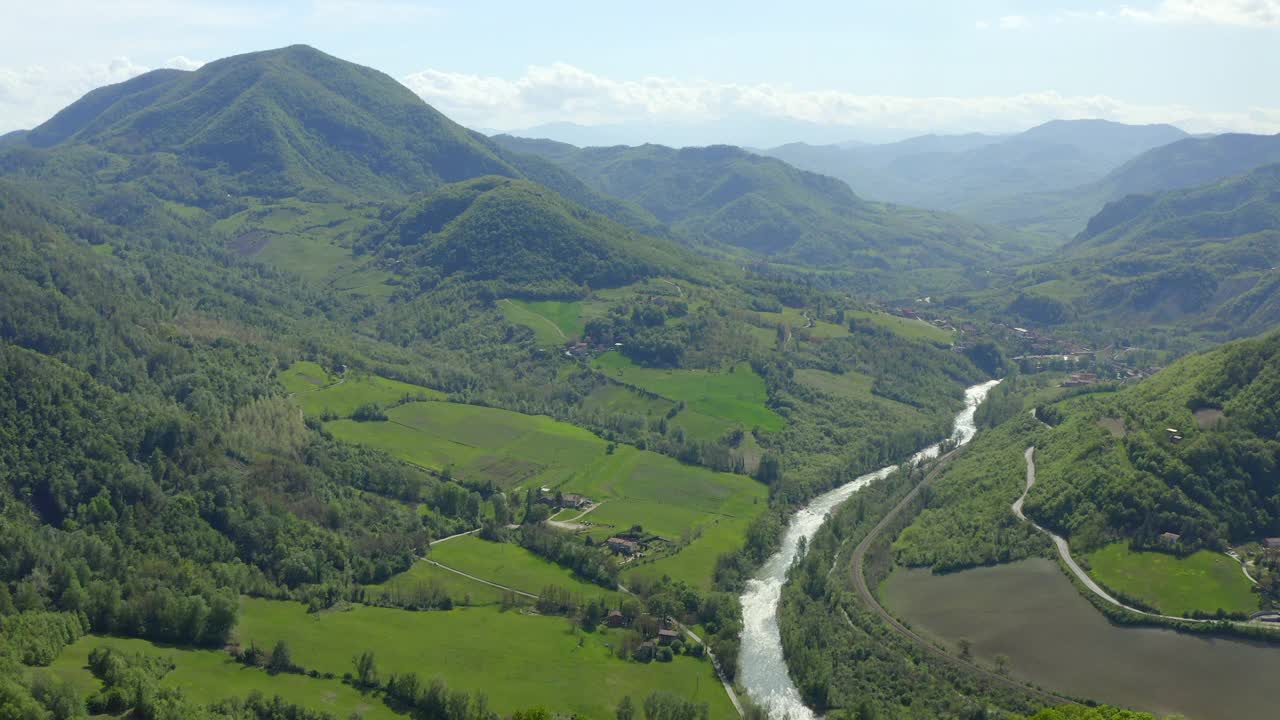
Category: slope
<point>1202,258</point>
<point>726,195</point>
<point>522,235</point>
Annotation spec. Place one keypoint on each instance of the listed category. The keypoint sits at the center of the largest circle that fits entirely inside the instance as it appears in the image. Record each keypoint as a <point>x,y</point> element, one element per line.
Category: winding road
<point>1064,552</point>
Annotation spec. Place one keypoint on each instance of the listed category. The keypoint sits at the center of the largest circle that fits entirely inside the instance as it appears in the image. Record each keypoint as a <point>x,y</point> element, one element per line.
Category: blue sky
<point>910,65</point>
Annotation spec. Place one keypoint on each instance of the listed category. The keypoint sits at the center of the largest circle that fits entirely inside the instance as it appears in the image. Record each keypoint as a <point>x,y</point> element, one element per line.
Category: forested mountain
<point>1204,258</point>
<point>1184,164</point>
<point>727,195</point>
<point>976,175</point>
<point>522,235</point>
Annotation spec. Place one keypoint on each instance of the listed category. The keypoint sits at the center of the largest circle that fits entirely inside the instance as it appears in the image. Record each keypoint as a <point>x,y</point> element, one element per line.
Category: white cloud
<point>32,94</point>
<point>1243,13</point>
<point>562,92</point>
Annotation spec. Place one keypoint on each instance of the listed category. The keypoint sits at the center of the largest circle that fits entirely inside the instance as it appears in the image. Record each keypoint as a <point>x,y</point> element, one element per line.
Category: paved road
<point>1064,552</point>
<point>864,592</point>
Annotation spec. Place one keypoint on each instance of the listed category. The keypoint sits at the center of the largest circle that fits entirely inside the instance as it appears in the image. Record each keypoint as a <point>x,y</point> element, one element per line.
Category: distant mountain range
<point>970,173</point>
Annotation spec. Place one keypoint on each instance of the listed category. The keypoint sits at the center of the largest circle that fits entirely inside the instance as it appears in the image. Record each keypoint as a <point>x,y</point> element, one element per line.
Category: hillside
<point>1202,258</point>
<point>726,195</point>
<point>523,235</point>
<point>1184,164</point>
<point>976,175</point>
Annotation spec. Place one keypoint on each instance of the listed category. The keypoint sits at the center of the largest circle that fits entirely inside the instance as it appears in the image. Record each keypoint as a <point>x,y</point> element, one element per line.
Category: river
<point>763,671</point>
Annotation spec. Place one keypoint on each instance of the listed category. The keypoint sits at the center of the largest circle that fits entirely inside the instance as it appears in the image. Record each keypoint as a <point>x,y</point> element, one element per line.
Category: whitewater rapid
<point>762,671</point>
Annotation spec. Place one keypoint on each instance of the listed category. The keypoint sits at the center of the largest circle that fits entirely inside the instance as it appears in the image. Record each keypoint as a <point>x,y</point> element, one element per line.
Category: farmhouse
<point>615,619</point>
<point>1272,543</point>
<point>623,546</point>
<point>666,637</point>
<point>1170,538</point>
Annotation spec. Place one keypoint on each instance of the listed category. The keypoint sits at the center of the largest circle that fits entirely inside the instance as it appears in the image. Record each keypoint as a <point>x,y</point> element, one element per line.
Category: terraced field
<point>319,391</point>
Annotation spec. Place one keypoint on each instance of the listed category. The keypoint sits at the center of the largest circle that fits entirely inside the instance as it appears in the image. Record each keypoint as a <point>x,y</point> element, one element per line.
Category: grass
<point>1204,581</point>
<point>511,565</point>
<point>460,589</point>
<point>518,660</point>
<point>906,327</point>
<point>487,445</point>
<point>621,399</point>
<point>797,321</point>
<point>317,391</point>
<point>732,397</point>
<point>850,385</point>
<point>207,676</point>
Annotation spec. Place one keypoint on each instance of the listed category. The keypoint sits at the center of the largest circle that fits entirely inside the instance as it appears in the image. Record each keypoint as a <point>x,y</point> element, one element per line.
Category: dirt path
<point>573,524</point>
<point>864,592</point>
<point>680,292</point>
<point>461,534</point>
<point>543,318</point>
<point>456,571</point>
<point>1064,552</point>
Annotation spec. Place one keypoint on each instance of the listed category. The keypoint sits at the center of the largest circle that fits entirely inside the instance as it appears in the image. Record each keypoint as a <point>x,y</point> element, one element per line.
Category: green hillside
<point>1202,259</point>
<point>727,195</point>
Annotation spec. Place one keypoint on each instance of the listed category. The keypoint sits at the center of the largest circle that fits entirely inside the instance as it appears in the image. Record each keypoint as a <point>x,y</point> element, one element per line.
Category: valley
<point>318,404</point>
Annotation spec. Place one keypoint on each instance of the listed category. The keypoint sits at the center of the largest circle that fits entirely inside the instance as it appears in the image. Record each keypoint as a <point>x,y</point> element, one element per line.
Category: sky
<point>745,71</point>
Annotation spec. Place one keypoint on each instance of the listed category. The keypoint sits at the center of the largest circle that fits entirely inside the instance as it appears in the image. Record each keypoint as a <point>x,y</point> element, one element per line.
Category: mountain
<point>287,123</point>
<point>729,196</point>
<point>524,236</point>
<point>1184,164</point>
<point>1204,257</point>
<point>970,173</point>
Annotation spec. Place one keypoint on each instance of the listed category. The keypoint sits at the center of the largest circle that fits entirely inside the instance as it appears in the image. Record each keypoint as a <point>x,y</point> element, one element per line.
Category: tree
<point>281,659</point>
<point>366,669</point>
<point>770,470</point>
<point>966,648</point>
<point>626,710</point>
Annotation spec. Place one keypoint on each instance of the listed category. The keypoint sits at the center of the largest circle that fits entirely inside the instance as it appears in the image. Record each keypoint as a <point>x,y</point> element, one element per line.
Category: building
<point>1272,543</point>
<point>615,619</point>
<point>623,546</point>
<point>666,637</point>
<point>1170,538</point>
<point>571,500</point>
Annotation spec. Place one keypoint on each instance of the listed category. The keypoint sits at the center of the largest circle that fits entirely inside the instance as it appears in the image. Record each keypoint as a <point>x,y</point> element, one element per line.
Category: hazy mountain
<point>1183,164</point>
<point>973,173</point>
<point>727,195</point>
<point>747,130</point>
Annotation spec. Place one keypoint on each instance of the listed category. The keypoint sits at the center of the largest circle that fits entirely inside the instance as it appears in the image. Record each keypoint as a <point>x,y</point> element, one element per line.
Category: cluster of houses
<point>1080,379</point>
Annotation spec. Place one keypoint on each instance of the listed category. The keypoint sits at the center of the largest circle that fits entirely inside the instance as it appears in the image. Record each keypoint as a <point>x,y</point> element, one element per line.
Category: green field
<point>317,391</point>
<point>729,397</point>
<point>1204,581</point>
<point>511,565</point>
<point>553,322</point>
<point>208,676</point>
<point>850,385</point>
<point>509,449</point>
<point>906,327</point>
<point>798,322</point>
<point>518,660</point>
<point>463,591</point>
<point>617,398</point>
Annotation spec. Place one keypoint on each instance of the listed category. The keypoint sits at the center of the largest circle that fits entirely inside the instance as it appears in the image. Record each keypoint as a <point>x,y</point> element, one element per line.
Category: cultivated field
<point>518,660</point>
<point>1204,581</point>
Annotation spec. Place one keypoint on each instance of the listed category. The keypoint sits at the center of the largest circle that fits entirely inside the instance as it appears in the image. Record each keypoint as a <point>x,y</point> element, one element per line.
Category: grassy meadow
<point>208,676</point>
<point>463,591</point>
<point>518,660</point>
<point>511,565</point>
<point>1204,581</point>
<point>719,400</point>
<point>318,391</point>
